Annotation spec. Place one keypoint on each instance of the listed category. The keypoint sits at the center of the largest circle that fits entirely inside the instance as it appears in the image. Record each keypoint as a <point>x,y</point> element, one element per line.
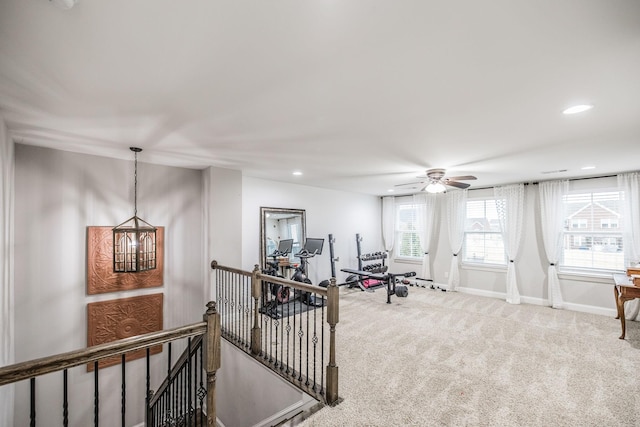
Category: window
<point>482,238</point>
<point>578,223</point>
<point>596,244</point>
<point>408,241</point>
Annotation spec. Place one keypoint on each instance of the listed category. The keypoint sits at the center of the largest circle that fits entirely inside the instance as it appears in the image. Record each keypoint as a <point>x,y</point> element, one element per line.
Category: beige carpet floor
<point>453,359</point>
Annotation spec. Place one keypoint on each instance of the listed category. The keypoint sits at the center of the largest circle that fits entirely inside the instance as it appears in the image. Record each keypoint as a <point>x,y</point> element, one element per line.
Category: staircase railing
<point>281,323</point>
<point>176,401</point>
<point>209,329</point>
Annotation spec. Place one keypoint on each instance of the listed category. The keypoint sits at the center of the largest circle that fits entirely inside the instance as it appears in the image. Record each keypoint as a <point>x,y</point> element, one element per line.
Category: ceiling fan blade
<point>409,183</point>
<point>461,178</point>
<point>456,184</point>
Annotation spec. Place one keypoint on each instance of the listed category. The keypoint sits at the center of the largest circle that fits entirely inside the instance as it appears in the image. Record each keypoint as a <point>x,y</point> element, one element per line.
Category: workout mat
<point>293,307</point>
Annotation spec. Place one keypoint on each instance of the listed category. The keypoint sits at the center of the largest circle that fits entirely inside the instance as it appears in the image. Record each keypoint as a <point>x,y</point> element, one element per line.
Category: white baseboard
<point>609,312</point>
<point>305,403</point>
<point>591,309</point>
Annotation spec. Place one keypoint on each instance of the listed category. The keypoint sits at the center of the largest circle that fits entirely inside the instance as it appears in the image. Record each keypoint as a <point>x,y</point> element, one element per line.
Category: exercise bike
<point>280,294</point>
<point>312,247</point>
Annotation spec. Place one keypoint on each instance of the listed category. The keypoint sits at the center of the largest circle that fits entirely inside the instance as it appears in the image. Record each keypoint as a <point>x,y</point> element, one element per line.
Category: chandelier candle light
<point>134,241</point>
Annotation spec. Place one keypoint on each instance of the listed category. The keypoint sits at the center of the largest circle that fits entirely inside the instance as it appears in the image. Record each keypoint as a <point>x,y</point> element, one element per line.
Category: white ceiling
<point>359,95</point>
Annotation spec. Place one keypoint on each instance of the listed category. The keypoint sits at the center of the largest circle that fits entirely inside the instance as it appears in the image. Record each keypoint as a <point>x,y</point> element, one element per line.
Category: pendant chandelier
<point>134,241</point>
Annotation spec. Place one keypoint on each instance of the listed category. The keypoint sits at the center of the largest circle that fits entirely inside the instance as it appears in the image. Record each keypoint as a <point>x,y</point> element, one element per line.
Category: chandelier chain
<point>135,185</point>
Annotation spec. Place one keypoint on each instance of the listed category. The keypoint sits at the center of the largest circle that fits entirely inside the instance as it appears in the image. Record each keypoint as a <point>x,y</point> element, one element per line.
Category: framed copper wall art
<point>100,275</point>
<point>113,320</point>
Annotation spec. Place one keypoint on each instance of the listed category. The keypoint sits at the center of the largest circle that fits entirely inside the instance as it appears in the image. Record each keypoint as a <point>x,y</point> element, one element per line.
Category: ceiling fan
<point>435,181</point>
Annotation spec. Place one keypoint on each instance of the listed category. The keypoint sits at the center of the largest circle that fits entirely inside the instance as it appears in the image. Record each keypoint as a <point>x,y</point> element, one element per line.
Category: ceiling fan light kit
<point>435,187</point>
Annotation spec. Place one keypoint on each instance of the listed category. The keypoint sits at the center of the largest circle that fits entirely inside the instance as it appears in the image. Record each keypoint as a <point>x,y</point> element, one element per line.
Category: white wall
<point>59,194</point>
<point>339,213</point>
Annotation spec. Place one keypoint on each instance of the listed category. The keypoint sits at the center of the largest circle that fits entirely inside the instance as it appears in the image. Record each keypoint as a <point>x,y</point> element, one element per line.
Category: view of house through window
<point>593,231</point>
<point>408,241</point>
<point>482,238</point>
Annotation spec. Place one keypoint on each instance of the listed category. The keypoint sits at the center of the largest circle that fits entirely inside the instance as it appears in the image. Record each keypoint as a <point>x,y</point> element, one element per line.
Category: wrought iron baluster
<point>202,392</point>
<point>282,349</point>
<point>288,335</point>
<point>123,402</point>
<point>300,335</point>
<point>148,386</point>
<point>307,355</point>
<point>276,322</point>
<point>266,337</point>
<point>322,347</point>
<point>96,395</point>
<point>189,408</point>
<point>295,331</point>
<point>236,283</point>
<point>168,411</point>
<point>315,340</point>
<point>65,398</point>
<point>180,396</point>
<point>32,398</point>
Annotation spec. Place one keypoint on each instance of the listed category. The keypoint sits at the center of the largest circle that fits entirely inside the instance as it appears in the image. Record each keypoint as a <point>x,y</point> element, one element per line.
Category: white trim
<point>591,309</point>
<point>609,312</point>
<point>481,293</point>
<point>286,413</point>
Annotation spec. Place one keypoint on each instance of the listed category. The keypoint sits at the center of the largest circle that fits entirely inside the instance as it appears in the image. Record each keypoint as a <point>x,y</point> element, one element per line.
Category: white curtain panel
<point>552,221</point>
<point>456,208</point>
<point>425,212</point>
<point>388,222</point>
<point>510,206</point>
<point>630,184</point>
<point>6,270</point>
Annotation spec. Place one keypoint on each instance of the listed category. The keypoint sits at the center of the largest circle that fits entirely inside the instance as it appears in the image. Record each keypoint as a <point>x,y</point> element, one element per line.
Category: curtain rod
<point>537,182</point>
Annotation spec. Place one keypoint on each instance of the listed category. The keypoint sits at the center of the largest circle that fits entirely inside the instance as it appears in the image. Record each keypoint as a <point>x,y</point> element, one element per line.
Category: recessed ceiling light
<point>586,168</point>
<point>577,109</point>
<point>296,173</point>
<point>391,190</point>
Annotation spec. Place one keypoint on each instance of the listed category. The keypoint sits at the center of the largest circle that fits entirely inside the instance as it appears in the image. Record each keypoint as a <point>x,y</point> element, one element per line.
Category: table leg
<point>620,303</point>
<point>615,296</point>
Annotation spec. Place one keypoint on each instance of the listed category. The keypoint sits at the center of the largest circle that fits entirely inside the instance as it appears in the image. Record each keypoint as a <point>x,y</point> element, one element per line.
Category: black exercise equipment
<point>312,247</point>
<point>280,294</point>
<point>389,279</point>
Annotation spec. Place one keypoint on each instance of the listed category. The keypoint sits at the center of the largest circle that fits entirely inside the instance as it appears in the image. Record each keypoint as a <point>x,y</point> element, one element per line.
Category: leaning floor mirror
<point>281,228</point>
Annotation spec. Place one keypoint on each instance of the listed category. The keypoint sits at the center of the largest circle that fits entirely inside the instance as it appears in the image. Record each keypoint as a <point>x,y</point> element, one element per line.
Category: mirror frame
<point>263,228</point>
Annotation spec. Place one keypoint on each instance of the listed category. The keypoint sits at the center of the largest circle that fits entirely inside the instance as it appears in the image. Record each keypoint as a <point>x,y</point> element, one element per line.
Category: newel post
<point>332,319</point>
<point>256,293</point>
<point>212,317</point>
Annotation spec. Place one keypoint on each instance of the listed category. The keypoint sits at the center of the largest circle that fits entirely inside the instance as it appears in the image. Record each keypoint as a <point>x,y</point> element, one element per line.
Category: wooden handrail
<point>293,284</point>
<point>216,266</point>
<point>33,368</point>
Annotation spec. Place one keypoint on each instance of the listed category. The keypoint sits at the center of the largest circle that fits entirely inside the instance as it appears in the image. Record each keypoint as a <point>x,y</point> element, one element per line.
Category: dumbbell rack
<point>372,268</point>
<point>379,267</point>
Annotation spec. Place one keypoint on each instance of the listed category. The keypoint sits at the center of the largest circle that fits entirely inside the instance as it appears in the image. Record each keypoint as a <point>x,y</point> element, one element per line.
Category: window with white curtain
<point>407,239</point>
<point>483,242</point>
<point>593,231</point>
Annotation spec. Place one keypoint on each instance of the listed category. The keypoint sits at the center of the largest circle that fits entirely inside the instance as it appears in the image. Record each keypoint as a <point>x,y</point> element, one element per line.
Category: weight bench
<point>388,278</point>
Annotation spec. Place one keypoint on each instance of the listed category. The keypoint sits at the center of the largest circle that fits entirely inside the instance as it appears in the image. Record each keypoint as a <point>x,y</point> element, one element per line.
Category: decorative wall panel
<point>123,318</point>
<point>100,275</point>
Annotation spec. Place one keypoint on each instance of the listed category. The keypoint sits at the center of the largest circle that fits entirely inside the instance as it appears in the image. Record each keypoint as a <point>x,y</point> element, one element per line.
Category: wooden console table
<point>624,290</point>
